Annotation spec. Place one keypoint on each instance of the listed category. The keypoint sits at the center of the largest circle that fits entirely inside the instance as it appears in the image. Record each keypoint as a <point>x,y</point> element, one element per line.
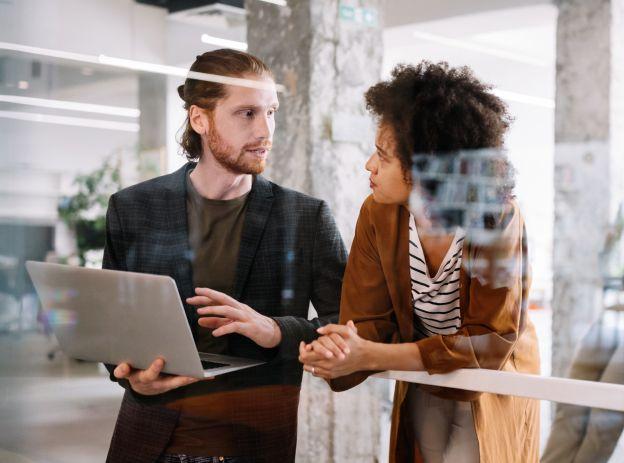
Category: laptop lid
<point>112,316</point>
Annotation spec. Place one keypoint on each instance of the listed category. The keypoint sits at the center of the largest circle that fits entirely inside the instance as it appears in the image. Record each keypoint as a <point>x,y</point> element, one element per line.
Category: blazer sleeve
<point>365,296</point>
<point>495,289</point>
<point>328,262</point>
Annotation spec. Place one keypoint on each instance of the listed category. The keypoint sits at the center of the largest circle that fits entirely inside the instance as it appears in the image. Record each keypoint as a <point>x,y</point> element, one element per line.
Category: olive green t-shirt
<point>215,228</point>
<point>226,422</point>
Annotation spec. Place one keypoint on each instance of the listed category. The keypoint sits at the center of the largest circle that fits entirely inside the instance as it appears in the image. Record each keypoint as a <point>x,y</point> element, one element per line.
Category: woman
<point>419,294</point>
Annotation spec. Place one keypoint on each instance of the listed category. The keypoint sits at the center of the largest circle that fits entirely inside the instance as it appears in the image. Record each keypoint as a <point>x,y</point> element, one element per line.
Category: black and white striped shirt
<point>435,300</point>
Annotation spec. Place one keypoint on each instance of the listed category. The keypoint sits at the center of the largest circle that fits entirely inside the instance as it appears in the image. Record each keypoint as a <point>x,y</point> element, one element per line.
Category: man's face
<point>240,128</point>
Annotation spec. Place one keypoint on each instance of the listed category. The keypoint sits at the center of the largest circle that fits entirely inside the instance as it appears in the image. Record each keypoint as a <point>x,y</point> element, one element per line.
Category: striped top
<point>435,300</point>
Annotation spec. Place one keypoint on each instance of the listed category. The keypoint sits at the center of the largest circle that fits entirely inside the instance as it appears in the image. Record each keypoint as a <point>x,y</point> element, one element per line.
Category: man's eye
<point>272,111</point>
<point>248,113</point>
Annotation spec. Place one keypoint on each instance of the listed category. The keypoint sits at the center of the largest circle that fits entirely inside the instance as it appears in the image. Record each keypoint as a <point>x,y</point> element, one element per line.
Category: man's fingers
<point>331,346</point>
<point>234,327</point>
<point>218,297</point>
<point>302,349</point>
<point>320,349</point>
<point>342,330</point>
<point>340,342</point>
<point>221,310</point>
<point>153,371</point>
<point>213,322</point>
<point>122,370</point>
<point>198,300</point>
<point>173,382</point>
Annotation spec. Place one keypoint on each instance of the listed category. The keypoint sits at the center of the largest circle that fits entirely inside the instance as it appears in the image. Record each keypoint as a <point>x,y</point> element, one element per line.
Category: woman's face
<point>386,175</point>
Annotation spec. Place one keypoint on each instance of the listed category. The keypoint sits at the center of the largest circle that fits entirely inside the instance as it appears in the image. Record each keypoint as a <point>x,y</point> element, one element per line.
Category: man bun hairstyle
<point>205,94</point>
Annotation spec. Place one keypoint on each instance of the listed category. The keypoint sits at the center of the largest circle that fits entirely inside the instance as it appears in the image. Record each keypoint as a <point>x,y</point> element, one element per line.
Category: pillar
<point>589,173</point>
<point>326,53</point>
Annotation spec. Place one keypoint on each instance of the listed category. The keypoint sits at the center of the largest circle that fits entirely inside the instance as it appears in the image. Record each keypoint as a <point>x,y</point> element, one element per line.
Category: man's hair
<point>223,62</point>
<point>434,108</point>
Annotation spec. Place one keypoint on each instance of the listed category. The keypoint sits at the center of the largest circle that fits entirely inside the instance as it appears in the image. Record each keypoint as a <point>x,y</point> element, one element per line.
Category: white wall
<point>529,34</point>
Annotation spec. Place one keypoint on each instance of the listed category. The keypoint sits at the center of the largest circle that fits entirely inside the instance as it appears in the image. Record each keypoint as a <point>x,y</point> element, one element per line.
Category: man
<point>246,254</point>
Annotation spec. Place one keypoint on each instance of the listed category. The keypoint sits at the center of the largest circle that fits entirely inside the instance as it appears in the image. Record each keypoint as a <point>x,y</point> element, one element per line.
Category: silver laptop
<point>112,317</point>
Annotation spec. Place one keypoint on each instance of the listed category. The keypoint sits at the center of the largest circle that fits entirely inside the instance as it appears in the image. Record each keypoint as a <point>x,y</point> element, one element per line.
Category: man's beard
<point>244,162</point>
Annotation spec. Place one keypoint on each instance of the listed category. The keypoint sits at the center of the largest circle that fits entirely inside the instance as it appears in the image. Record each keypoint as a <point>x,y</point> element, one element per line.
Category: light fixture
<point>548,103</point>
<point>73,121</point>
<point>23,85</point>
<point>211,40</point>
<point>276,2</point>
<point>139,66</point>
<point>71,106</point>
<point>463,44</point>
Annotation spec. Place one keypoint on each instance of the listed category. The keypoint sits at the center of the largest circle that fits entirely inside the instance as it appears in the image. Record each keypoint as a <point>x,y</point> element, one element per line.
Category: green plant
<point>85,211</point>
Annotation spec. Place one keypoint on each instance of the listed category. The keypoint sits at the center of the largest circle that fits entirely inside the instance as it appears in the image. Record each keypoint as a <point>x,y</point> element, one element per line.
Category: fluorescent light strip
<point>139,66</point>
<point>276,2</point>
<point>508,55</point>
<point>209,39</point>
<point>71,106</point>
<point>73,121</point>
<point>525,99</point>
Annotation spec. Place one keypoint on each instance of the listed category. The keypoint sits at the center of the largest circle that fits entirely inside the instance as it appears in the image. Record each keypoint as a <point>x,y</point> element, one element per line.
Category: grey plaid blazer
<point>291,254</point>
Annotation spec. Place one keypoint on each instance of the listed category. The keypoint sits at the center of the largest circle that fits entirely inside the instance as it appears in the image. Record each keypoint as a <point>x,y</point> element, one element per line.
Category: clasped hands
<point>222,313</point>
<point>339,351</point>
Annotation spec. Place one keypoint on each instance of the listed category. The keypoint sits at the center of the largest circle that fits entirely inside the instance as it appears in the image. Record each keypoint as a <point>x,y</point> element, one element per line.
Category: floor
<point>52,411</point>
<point>62,411</point>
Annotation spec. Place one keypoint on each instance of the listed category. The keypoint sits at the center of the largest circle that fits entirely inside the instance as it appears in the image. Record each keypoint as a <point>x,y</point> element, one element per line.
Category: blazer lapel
<point>258,210</point>
<point>181,265</point>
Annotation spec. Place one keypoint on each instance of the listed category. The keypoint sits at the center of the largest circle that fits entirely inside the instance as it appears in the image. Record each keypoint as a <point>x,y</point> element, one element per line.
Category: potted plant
<point>85,211</point>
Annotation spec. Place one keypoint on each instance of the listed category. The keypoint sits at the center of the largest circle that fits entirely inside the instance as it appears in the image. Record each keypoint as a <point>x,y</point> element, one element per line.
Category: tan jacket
<point>495,331</point>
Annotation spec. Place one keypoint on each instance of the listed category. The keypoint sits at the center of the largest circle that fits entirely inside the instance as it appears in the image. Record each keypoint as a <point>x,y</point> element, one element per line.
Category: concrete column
<point>589,173</point>
<point>326,53</point>
<point>152,152</point>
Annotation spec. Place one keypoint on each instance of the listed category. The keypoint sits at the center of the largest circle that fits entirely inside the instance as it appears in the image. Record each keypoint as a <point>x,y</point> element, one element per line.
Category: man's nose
<point>263,127</point>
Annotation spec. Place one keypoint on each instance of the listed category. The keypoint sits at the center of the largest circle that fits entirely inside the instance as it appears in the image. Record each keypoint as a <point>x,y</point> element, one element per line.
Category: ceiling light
<point>548,103</point>
<point>276,2</point>
<point>139,66</point>
<point>71,106</point>
<point>465,45</point>
<point>209,39</point>
<point>73,121</point>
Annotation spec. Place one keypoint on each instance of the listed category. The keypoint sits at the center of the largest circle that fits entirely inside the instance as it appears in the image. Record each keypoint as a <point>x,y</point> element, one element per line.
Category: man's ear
<point>199,119</point>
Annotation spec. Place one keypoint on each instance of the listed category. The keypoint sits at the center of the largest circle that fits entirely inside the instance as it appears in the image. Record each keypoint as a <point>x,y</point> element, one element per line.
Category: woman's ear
<point>199,119</point>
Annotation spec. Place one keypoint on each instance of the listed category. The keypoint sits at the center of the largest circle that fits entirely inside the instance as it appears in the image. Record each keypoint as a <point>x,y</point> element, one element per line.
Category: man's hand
<point>150,381</point>
<point>226,315</point>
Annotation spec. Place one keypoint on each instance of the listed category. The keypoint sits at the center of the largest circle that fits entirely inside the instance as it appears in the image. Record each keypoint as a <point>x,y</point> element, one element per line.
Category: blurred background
<point>88,105</point>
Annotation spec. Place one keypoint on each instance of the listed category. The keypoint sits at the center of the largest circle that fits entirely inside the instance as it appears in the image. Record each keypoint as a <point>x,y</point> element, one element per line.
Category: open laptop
<point>112,317</point>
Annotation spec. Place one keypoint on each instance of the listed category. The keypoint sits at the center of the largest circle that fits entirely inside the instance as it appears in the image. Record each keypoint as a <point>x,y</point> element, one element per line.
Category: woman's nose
<point>370,164</point>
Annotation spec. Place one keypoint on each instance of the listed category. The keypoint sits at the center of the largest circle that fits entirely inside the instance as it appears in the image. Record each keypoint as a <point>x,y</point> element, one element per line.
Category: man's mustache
<point>264,145</point>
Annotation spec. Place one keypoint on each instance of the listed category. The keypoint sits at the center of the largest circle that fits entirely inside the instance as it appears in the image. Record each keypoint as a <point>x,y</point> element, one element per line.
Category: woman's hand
<point>338,352</point>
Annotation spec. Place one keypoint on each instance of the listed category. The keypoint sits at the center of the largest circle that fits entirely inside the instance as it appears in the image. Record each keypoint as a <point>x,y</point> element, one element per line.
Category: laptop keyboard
<point>209,365</point>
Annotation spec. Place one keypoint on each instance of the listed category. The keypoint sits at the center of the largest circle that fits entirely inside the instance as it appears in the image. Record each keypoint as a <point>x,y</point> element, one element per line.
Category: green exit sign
<point>365,16</point>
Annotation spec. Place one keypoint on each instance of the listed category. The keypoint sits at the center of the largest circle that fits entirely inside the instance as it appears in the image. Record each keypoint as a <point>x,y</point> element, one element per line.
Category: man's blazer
<point>291,254</point>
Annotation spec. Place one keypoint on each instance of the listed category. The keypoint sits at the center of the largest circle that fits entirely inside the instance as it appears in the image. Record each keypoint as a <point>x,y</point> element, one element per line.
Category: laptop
<point>112,316</point>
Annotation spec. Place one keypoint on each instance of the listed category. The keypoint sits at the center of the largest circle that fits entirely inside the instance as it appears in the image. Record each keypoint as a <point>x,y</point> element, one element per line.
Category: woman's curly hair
<point>434,108</point>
